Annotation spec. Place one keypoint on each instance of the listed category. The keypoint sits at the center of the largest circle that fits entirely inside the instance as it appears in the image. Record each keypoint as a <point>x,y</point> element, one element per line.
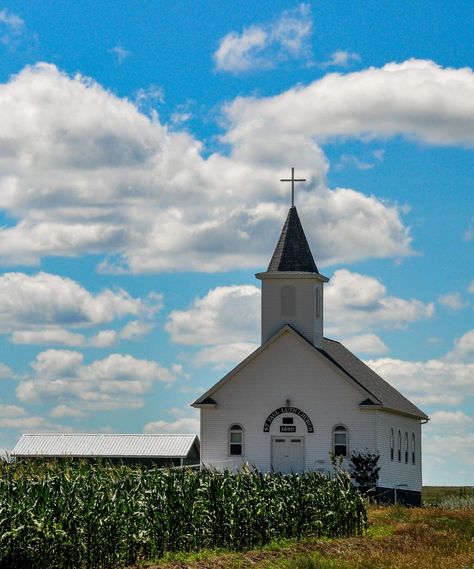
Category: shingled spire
<point>292,253</point>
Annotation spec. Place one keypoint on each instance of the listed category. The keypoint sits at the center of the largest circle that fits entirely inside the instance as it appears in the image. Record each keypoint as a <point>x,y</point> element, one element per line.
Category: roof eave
<point>292,275</point>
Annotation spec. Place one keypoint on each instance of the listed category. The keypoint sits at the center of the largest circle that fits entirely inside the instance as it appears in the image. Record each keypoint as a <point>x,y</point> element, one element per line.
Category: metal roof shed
<point>146,449</point>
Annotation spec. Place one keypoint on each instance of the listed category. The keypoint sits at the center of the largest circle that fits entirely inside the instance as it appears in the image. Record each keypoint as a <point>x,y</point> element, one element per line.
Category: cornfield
<point>82,515</point>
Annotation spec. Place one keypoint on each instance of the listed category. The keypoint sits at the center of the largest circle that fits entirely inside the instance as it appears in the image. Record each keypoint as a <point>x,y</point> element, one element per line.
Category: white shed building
<point>145,449</point>
<point>300,395</point>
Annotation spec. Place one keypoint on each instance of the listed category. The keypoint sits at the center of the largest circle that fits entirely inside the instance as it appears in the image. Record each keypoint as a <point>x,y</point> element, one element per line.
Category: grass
<point>397,538</point>
<point>437,494</point>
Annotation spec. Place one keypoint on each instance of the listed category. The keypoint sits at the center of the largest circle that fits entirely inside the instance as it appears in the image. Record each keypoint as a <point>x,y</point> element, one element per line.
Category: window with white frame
<point>406,447</point>
<point>392,444</point>
<point>399,446</point>
<point>236,440</point>
<point>340,440</point>
<point>413,448</point>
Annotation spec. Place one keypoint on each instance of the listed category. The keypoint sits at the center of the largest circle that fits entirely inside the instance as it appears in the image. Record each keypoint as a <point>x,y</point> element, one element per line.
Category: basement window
<point>236,440</point>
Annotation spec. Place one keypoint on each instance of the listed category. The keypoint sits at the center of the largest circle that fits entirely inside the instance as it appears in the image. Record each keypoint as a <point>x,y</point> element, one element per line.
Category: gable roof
<point>379,392</point>
<point>389,397</point>
<point>292,252</point>
<point>105,445</point>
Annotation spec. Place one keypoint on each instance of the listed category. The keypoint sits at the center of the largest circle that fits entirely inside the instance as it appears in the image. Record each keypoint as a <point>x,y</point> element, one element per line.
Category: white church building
<point>301,396</point>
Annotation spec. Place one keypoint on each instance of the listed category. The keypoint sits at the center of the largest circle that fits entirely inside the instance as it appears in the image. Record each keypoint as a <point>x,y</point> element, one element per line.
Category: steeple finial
<point>293,180</point>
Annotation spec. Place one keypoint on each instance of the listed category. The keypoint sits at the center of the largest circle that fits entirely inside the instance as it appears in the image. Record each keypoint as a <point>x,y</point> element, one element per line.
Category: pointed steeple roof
<point>292,252</point>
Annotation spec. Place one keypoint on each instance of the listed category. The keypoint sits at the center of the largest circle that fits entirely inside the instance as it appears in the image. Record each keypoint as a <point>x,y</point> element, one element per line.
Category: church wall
<point>394,472</point>
<point>288,369</point>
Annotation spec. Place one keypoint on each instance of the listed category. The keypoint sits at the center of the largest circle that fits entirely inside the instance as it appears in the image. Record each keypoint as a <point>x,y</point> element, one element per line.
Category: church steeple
<point>292,252</point>
<point>292,287</point>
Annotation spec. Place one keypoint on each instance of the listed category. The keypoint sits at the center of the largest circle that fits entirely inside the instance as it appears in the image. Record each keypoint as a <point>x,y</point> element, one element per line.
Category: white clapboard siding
<point>393,472</point>
<point>288,368</point>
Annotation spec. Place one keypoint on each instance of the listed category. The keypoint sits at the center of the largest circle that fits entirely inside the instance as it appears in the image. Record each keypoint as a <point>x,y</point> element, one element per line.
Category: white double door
<point>287,454</point>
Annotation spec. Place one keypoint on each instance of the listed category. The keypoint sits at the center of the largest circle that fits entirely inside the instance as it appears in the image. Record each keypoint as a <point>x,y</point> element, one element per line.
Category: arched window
<point>288,300</point>
<point>406,447</point>
<point>340,440</point>
<point>236,440</point>
<point>392,444</point>
<point>413,448</point>
<point>399,446</point>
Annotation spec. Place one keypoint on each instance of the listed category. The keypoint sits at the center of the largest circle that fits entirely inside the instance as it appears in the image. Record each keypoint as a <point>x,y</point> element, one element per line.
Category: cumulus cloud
<point>6,372</point>
<point>341,58</point>
<point>227,319</point>
<point>417,98</point>
<point>227,314</point>
<point>110,180</point>
<point>186,421</point>
<point>264,46</point>
<point>115,382</point>
<point>470,288</point>
<point>45,299</point>
<point>463,348</point>
<point>16,418</point>
<point>365,344</point>
<point>220,356</point>
<point>453,300</point>
<point>355,302</point>
<point>429,382</point>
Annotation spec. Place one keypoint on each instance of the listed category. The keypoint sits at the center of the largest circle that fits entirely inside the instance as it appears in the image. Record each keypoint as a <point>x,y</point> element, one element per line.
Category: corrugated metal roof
<point>105,445</point>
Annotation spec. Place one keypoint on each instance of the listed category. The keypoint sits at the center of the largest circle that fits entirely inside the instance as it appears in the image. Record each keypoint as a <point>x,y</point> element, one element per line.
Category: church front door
<point>287,454</point>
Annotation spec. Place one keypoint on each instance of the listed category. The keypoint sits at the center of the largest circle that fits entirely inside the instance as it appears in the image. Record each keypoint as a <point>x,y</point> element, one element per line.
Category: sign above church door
<point>281,411</point>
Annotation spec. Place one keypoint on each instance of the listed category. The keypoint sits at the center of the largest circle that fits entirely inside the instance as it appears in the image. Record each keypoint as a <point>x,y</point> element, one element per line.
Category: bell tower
<point>292,286</point>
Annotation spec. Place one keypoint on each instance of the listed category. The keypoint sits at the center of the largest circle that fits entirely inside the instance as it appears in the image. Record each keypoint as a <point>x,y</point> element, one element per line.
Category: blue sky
<point>141,149</point>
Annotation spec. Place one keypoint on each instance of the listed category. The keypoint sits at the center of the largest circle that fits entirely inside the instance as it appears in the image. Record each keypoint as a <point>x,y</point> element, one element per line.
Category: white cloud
<point>471,287</point>
<point>226,321</point>
<point>450,419</point>
<point>341,59</point>
<point>16,418</point>
<point>463,348</point>
<point>120,53</point>
<point>365,344</point>
<point>222,355</point>
<point>115,382</point>
<point>428,382</point>
<point>102,339</point>
<point>453,300</point>
<point>67,411</point>
<point>263,46</point>
<point>54,336</point>
<point>416,98</point>
<point>6,372</point>
<point>135,329</point>
<point>45,299</point>
<point>227,314</point>
<point>355,303</point>
<point>185,421</point>
<point>11,20</point>
<point>147,197</point>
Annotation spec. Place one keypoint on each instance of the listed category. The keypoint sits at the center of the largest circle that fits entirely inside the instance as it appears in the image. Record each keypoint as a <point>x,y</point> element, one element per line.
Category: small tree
<point>364,470</point>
